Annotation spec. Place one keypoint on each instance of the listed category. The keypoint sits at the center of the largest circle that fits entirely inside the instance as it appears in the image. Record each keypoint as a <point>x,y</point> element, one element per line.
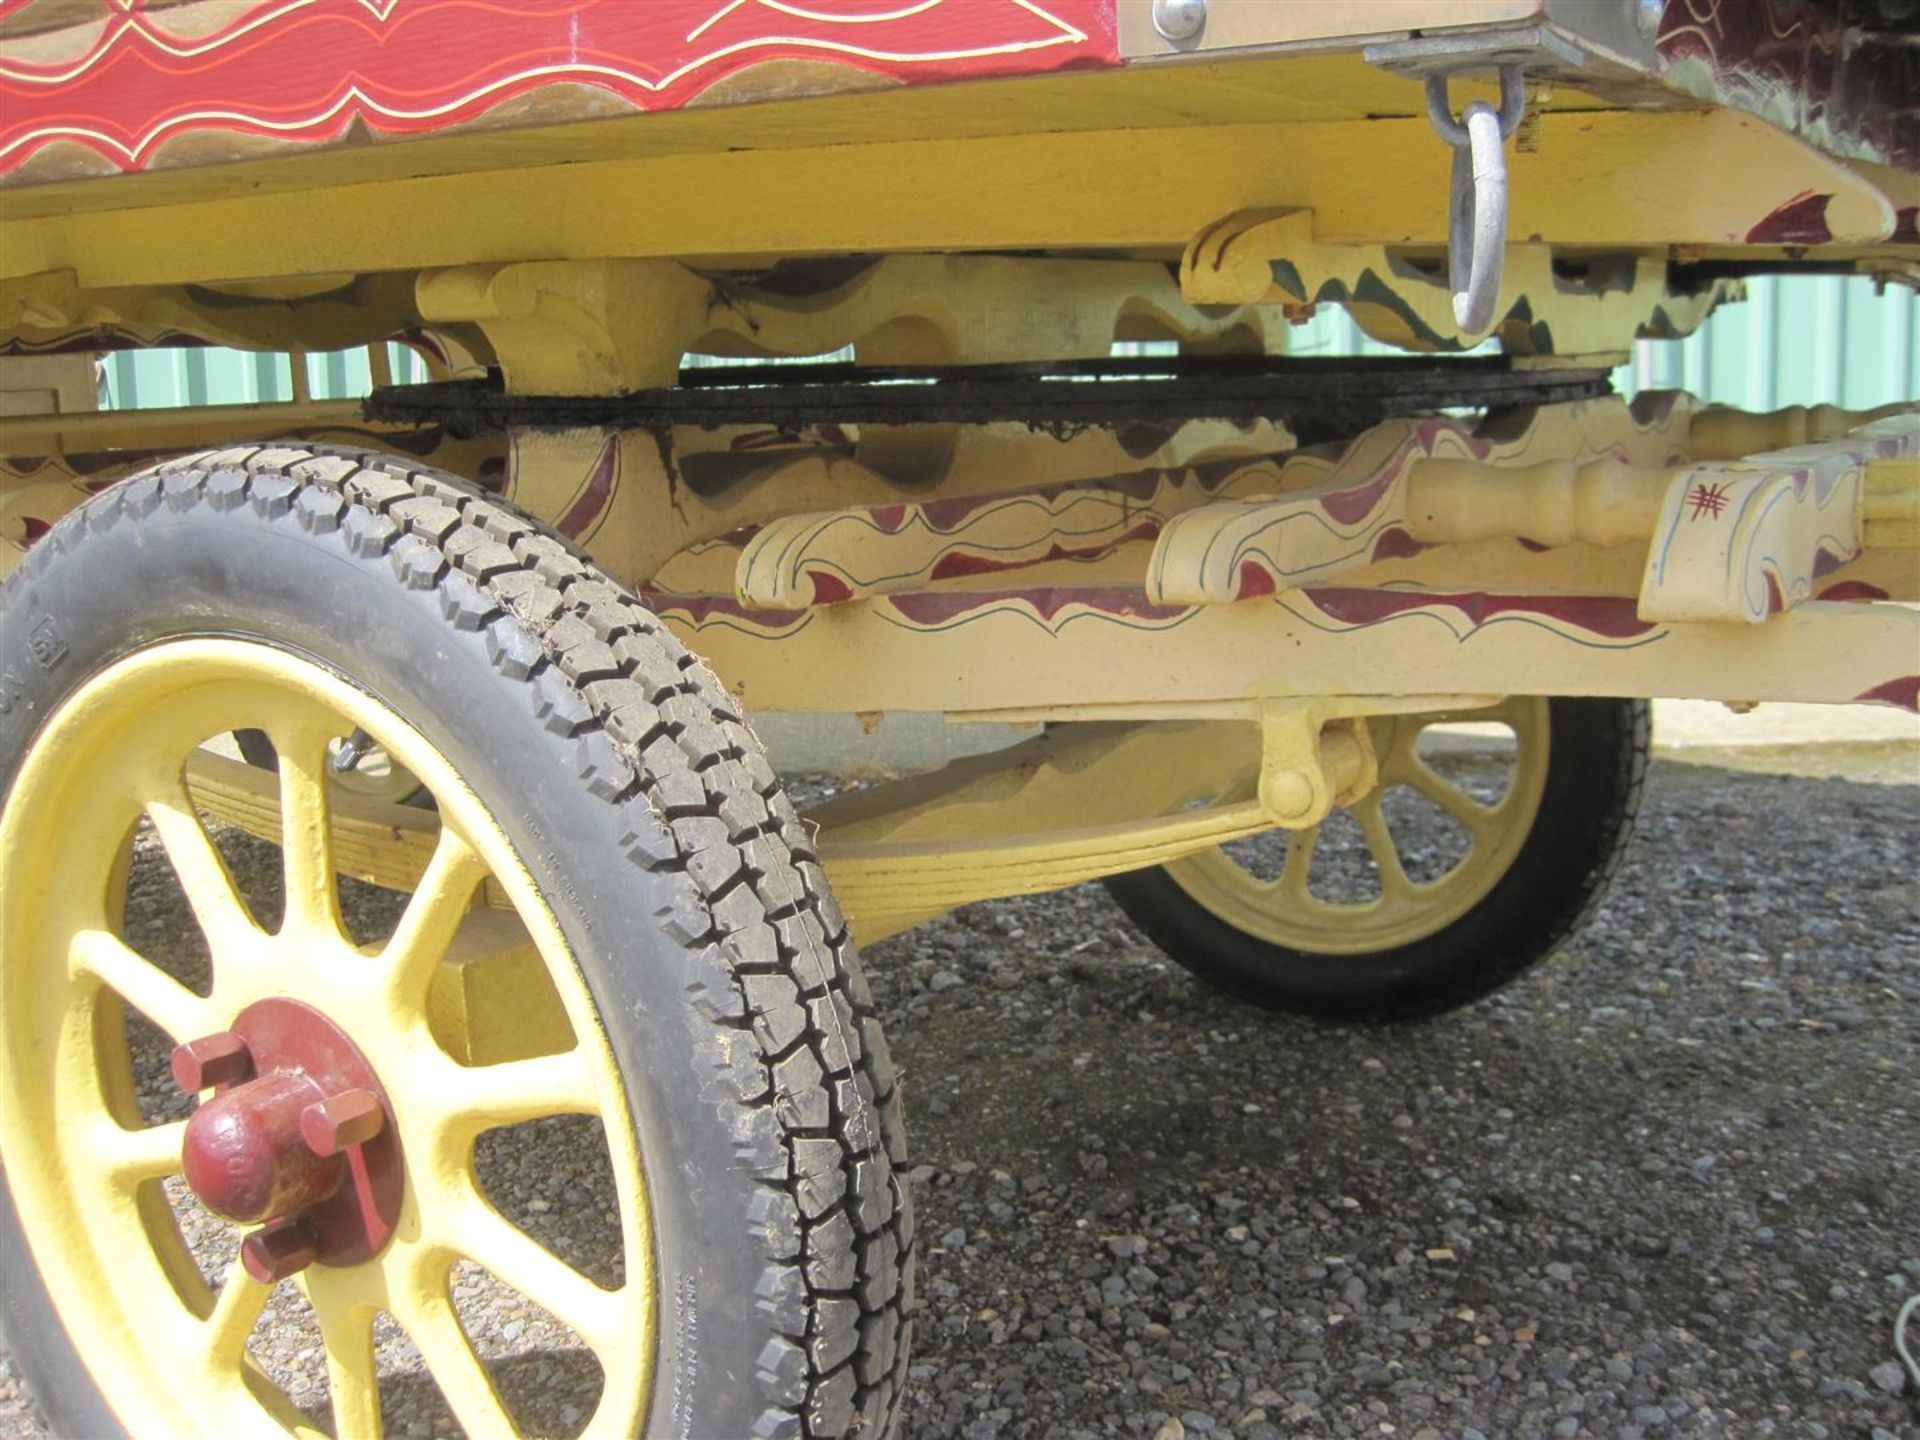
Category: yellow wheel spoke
<point>136,1156</point>
<point>473,1099</point>
<point>182,1014</point>
<point>203,875</point>
<point>441,901</point>
<point>306,831</point>
<point>1285,912</point>
<point>517,1090</point>
<point>104,1194</point>
<point>430,1321</point>
<point>1394,884</point>
<point>487,1238</point>
<point>1299,864</point>
<point>1515,710</point>
<point>1448,796</point>
<point>236,1310</point>
<point>353,1380</point>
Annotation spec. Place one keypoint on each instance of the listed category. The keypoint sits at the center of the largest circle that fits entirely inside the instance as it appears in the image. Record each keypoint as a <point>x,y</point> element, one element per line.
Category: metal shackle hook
<point>1513,104</point>
<point>1477,205</point>
<point>1477,222</point>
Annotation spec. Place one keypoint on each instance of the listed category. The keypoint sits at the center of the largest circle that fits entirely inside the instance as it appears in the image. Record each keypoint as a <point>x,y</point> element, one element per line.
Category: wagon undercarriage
<point>1037,452</point>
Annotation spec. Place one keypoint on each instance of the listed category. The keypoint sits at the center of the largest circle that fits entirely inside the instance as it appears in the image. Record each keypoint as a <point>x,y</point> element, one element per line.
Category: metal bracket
<point>1477,204</point>
<point>1311,760</point>
<point>1533,47</point>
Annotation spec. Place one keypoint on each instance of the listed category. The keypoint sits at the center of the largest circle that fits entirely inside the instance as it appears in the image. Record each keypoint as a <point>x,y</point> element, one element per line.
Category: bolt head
<point>342,1121</point>
<point>1178,20</point>
<point>212,1061</point>
<point>1289,794</point>
<point>279,1249</point>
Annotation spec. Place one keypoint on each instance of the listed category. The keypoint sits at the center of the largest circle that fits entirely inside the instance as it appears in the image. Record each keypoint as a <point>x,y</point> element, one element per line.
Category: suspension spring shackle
<point>1477,202</point>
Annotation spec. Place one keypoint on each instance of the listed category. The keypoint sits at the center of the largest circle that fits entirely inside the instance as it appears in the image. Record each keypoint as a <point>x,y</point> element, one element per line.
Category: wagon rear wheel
<point>618,946</point>
<point>1398,922</point>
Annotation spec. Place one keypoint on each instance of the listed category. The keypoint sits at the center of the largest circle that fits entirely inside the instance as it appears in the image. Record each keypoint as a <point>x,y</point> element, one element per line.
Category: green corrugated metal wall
<point>160,379</point>
<point>1797,340</point>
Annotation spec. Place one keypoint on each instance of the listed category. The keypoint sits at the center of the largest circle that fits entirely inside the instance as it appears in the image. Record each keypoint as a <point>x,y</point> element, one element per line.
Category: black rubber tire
<point>1596,769</point>
<point>764,1100</point>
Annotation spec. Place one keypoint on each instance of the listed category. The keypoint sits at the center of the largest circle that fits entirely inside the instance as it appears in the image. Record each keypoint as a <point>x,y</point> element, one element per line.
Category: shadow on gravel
<point>1664,1186</point>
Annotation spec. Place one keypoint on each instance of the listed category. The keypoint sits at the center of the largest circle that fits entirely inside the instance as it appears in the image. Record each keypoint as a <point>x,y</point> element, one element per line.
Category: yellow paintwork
<point>1602,179</point>
<point>375,837</point>
<point>348,310</point>
<point>1284,911</point>
<point>1279,257</point>
<point>1890,506</point>
<point>1073,805</point>
<point>1065,807</point>
<point>490,1000</point>
<point>1004,659</point>
<point>165,1349</point>
<point>1027,220</point>
<point>602,327</point>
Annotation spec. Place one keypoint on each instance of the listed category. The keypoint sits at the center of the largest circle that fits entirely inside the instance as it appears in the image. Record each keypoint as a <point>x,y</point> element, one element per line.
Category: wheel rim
<point>86,1173</point>
<point>1283,910</point>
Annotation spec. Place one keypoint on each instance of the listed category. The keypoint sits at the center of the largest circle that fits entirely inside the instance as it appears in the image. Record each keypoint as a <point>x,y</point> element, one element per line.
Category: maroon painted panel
<point>1841,73</point>
<point>310,70</point>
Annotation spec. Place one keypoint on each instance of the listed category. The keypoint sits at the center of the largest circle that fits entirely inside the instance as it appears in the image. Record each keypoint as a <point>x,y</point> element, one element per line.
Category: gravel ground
<point>1668,1185</point>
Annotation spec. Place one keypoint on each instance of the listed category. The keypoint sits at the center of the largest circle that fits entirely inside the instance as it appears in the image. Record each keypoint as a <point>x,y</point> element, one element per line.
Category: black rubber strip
<point>1319,399</point>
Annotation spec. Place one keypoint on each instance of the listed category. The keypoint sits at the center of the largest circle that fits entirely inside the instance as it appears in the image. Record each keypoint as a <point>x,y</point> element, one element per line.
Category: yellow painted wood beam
<point>1890,509</point>
<point>182,427</point>
<point>984,653</point>
<point>1704,179</point>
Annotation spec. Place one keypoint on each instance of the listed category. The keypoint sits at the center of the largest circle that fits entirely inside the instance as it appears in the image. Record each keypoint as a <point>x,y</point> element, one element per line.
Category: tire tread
<point>775,972</point>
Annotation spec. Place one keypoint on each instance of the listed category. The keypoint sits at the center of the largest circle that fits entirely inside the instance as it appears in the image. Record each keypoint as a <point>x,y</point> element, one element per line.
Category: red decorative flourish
<point>1904,692</point>
<point>1799,221</point>
<point>1604,616</point>
<point>307,70</point>
<point>933,608</point>
<point>1852,590</point>
<point>1708,500</point>
<point>589,504</point>
<point>961,561</point>
<point>1396,544</point>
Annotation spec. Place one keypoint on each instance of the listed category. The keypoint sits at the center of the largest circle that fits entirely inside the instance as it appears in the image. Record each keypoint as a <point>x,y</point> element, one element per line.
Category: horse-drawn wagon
<point>491,642</point>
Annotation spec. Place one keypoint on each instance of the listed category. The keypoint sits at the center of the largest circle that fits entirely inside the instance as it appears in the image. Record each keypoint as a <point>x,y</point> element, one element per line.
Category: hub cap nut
<point>283,1248</point>
<point>212,1062</point>
<point>342,1121</point>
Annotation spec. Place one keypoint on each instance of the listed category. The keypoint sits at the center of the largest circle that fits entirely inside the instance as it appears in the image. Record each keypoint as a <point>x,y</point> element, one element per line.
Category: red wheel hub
<point>298,1138</point>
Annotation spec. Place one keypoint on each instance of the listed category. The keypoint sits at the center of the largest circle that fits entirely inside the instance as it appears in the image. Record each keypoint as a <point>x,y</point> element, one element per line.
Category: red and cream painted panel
<point>136,79</point>
<point>1594,474</point>
<point>1038,651</point>
<point>1747,539</point>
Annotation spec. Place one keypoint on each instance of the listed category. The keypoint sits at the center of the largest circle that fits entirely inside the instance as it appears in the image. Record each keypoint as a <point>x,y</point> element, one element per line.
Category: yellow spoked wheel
<point>1457,873</point>
<point>584,1125</point>
<point>1283,908</point>
<point>89,1177</point>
